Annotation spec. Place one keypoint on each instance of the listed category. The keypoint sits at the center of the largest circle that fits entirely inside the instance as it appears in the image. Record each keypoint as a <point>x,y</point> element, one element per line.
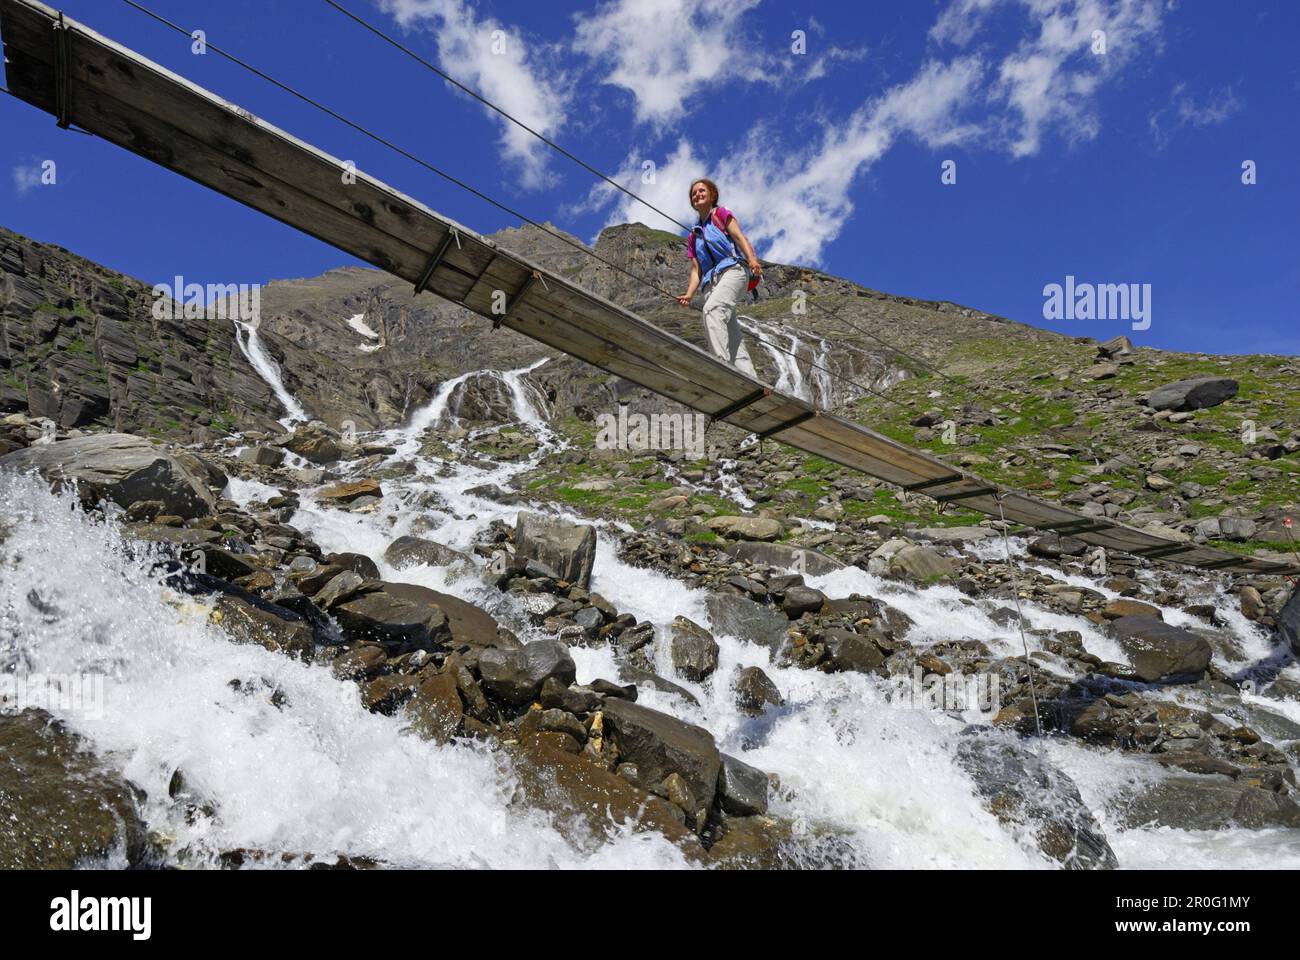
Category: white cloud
<point>1051,79</point>
<point>666,52</point>
<point>1184,111</point>
<point>494,59</point>
<point>26,178</point>
<point>669,54</point>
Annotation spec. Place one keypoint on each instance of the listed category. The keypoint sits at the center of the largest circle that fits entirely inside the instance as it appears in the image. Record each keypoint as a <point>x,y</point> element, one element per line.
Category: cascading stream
<point>255,353</point>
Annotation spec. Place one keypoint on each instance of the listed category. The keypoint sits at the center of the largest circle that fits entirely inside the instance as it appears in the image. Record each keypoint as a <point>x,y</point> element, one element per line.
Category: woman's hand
<point>684,300</point>
<point>755,267</point>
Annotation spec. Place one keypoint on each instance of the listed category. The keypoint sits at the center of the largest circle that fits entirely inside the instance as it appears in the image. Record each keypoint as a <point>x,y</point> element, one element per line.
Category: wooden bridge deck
<point>91,82</point>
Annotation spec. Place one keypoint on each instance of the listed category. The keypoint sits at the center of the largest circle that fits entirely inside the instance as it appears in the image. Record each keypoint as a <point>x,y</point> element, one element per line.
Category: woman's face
<point>700,198</point>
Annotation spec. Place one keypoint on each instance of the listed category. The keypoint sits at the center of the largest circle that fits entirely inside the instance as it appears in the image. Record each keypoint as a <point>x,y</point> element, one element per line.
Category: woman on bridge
<point>721,257</point>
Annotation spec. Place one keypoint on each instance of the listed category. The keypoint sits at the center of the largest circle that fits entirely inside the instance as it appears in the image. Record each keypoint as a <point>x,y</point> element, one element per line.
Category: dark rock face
<point>1194,394</point>
<point>1160,651</point>
<point>59,806</point>
<point>660,745</point>
<point>567,548</point>
<point>91,331</point>
<point>1022,789</point>
<point>118,467</point>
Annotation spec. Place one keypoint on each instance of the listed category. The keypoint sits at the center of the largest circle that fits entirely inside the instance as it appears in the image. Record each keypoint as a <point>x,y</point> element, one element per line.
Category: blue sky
<point>1121,165</point>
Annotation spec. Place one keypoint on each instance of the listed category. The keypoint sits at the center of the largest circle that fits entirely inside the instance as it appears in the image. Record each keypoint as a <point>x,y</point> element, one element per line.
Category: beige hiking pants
<point>720,321</point>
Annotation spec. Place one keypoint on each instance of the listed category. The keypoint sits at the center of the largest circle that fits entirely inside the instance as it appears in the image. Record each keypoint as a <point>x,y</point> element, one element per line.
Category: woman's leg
<point>720,322</point>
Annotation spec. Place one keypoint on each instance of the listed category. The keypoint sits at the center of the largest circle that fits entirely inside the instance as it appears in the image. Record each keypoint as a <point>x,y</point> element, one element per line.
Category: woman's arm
<point>685,299</point>
<point>742,241</point>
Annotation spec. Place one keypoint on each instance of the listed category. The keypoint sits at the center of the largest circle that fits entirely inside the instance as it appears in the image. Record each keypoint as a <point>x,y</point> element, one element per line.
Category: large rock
<point>117,467</point>
<point>755,691</point>
<point>915,562</point>
<point>516,676</point>
<point>568,785</point>
<point>313,441</point>
<point>567,548</point>
<point>347,492</point>
<point>745,528</point>
<point>810,562</point>
<point>659,745</point>
<point>1160,651</point>
<point>742,789</point>
<point>732,615</point>
<point>847,650</point>
<point>1023,790</point>
<point>1209,803</point>
<point>247,618</point>
<point>410,551</point>
<point>694,651</point>
<point>469,625</point>
<point>59,806</point>
<point>1192,394</point>
<point>799,600</point>
<point>399,625</point>
<point>1288,621</point>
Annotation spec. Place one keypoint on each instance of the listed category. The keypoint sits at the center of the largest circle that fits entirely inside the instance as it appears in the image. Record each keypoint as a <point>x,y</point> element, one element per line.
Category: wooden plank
<point>231,131</point>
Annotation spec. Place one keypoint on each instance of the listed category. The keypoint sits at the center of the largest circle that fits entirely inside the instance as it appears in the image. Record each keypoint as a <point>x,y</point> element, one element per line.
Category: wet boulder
<point>1160,651</point>
<point>314,441</point>
<point>694,651</point>
<point>568,784</point>
<point>567,548</point>
<point>411,551</point>
<point>799,600</point>
<point>755,691</point>
<point>1209,803</point>
<point>660,744</point>
<point>742,789</point>
<point>847,650</point>
<point>811,562</point>
<point>1025,791</point>
<point>745,528</point>
<point>401,620</point>
<point>732,615</point>
<point>61,807</point>
<point>247,618</point>
<point>348,492</point>
<point>918,563</point>
<point>117,467</point>
<point>1053,547</point>
<point>516,677</point>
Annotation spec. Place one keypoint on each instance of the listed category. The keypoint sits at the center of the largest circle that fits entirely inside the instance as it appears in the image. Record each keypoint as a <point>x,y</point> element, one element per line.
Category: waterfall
<point>526,399</point>
<point>254,351</point>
